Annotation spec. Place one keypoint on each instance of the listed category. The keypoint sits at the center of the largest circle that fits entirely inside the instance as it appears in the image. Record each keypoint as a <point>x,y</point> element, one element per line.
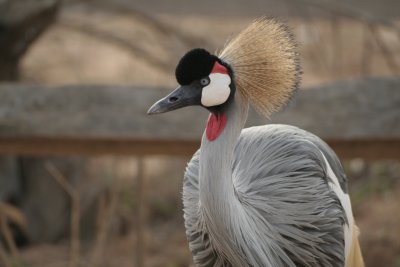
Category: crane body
<point>295,167</point>
<point>271,195</point>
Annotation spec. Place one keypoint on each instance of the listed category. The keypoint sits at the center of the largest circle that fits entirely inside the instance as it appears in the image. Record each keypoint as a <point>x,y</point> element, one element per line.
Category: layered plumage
<point>298,220</point>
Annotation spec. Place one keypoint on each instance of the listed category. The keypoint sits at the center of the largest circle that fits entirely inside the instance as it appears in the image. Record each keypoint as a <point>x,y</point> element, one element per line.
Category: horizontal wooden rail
<point>367,149</point>
<point>357,118</point>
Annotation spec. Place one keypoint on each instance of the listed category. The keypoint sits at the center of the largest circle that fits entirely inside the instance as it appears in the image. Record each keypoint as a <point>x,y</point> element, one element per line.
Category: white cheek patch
<point>218,91</point>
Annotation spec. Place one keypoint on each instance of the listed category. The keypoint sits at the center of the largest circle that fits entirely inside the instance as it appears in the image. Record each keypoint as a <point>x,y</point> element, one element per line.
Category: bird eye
<point>205,81</point>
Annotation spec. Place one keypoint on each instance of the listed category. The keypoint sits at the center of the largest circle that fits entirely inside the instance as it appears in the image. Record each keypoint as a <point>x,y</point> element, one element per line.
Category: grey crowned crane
<point>272,195</point>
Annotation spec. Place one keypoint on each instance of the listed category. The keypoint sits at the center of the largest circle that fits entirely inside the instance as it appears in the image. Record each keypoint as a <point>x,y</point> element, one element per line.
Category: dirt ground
<point>105,46</point>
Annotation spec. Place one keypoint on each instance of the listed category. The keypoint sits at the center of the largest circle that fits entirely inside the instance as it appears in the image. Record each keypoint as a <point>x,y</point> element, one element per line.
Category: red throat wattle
<point>215,125</point>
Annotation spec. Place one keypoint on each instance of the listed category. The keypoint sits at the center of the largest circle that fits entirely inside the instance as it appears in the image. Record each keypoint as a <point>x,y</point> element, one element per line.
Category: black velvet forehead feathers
<point>194,65</point>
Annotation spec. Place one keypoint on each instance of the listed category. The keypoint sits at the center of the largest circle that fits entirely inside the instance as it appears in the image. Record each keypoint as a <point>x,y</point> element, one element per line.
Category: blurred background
<point>98,190</point>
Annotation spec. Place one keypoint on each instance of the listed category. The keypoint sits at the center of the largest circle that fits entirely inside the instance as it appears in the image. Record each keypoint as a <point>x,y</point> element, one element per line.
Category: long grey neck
<point>218,200</point>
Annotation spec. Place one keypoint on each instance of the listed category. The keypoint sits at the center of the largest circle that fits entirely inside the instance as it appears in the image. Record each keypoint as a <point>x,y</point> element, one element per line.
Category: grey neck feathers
<point>219,205</point>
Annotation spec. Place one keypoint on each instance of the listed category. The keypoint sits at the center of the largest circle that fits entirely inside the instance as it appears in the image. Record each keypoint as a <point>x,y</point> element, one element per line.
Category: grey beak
<point>182,96</point>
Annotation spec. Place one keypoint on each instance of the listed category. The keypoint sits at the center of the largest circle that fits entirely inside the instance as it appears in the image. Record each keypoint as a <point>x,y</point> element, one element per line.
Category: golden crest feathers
<point>265,64</point>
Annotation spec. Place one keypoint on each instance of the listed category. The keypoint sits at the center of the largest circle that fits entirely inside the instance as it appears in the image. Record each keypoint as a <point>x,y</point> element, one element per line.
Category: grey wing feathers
<point>280,170</point>
<point>280,175</point>
<point>332,159</point>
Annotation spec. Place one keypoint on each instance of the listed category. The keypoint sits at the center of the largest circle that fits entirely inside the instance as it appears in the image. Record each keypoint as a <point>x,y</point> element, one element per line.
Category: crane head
<point>204,80</point>
<point>261,64</point>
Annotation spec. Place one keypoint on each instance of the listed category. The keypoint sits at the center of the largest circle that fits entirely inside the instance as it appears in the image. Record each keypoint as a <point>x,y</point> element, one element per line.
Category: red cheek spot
<point>215,126</point>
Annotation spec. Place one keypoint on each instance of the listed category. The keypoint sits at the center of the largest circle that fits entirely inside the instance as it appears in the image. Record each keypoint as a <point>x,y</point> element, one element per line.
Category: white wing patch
<point>346,204</point>
<point>218,91</point>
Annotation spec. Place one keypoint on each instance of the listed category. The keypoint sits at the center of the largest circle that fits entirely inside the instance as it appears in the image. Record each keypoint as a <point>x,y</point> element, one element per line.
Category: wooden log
<point>359,118</point>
